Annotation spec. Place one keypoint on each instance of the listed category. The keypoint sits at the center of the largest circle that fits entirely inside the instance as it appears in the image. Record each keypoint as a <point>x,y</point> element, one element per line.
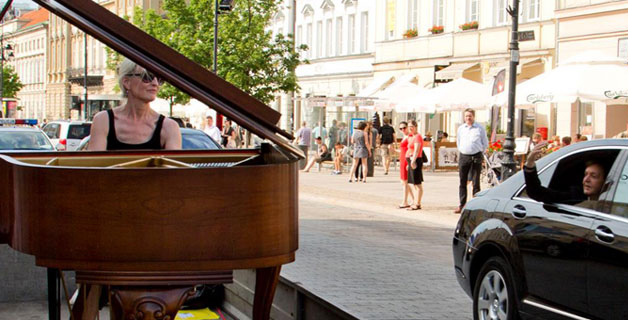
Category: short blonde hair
<point>126,66</point>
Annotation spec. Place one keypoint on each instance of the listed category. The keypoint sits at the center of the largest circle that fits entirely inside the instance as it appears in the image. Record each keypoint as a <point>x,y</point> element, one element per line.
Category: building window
<point>413,14</point>
<point>308,40</point>
<point>328,35</point>
<point>472,11</point>
<point>299,36</point>
<point>319,39</point>
<point>339,36</point>
<point>391,18</point>
<point>501,16</point>
<point>439,13</point>
<point>351,34</point>
<point>364,37</point>
<point>532,10</point>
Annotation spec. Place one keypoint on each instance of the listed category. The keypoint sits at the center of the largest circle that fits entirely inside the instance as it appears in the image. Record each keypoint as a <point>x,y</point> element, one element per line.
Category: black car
<point>517,257</point>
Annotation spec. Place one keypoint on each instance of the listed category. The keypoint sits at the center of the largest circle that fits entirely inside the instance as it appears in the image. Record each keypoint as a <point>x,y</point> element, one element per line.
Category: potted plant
<point>410,33</point>
<point>473,25</point>
<point>436,29</point>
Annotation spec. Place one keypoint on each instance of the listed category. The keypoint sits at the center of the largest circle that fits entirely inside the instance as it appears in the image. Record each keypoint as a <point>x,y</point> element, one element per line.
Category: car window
<point>52,130</point>
<point>619,204</point>
<point>544,176</point>
<point>79,131</point>
<point>567,176</point>
<point>197,141</point>
<point>24,140</point>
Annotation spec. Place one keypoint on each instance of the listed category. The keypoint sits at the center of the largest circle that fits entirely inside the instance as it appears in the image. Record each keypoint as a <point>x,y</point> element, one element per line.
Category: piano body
<point>153,224</point>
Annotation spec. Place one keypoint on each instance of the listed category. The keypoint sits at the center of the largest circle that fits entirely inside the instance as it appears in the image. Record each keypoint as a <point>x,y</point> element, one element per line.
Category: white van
<point>66,135</point>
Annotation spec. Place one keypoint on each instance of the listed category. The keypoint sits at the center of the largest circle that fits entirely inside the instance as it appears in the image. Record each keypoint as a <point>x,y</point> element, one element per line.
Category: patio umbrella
<point>389,98</point>
<point>455,95</point>
<point>590,76</point>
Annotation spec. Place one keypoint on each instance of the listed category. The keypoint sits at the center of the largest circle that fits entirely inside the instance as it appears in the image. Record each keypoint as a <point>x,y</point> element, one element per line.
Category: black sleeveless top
<point>114,144</point>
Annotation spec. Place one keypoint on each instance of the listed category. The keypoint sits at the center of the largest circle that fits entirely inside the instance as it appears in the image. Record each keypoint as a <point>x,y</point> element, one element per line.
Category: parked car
<point>192,140</point>
<point>66,135</point>
<point>24,138</point>
<point>519,257</point>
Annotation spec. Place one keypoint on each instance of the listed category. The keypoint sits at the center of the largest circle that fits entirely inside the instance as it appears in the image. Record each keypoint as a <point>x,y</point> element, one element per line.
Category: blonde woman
<point>134,125</point>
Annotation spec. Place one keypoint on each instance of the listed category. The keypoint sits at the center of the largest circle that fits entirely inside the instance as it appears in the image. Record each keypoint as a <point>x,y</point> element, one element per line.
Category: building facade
<point>584,25</point>
<point>26,36</point>
<point>66,65</point>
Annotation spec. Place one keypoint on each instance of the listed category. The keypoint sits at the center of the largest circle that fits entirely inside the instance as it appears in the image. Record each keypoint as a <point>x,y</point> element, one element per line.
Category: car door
<point>553,246</point>
<point>608,271</point>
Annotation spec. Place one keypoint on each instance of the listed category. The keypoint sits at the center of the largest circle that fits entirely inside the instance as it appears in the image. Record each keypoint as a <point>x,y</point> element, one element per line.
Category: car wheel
<point>494,292</point>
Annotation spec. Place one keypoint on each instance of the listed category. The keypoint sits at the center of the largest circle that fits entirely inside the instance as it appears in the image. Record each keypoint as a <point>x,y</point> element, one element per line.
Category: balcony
<point>77,76</point>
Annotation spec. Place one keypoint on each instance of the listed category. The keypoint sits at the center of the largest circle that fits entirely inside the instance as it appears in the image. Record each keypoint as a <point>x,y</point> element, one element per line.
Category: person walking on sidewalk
<point>361,150</point>
<point>471,141</point>
<point>388,140</point>
<point>302,139</point>
<point>403,166</point>
<point>414,157</point>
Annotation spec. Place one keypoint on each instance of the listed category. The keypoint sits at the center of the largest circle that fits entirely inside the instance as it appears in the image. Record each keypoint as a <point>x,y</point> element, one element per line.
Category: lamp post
<point>221,6</point>
<point>509,165</point>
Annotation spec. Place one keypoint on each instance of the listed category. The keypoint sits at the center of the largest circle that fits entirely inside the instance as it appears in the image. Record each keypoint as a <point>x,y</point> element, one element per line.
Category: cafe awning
<point>455,71</point>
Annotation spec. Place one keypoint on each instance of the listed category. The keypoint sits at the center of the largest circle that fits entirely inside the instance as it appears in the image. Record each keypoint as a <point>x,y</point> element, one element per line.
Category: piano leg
<point>148,303</point>
<point>54,295</point>
<point>265,284</point>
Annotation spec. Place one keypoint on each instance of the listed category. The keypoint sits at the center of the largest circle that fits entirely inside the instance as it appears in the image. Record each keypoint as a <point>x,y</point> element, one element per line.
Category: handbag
<point>424,157</point>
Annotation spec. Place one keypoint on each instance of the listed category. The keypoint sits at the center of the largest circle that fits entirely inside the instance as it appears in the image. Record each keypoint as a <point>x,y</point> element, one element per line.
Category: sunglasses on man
<point>147,76</point>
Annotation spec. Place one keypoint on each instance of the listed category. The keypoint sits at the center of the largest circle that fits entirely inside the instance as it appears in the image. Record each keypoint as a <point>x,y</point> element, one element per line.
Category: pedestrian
<point>566,141</point>
<point>343,134</point>
<point>361,150</point>
<point>322,154</point>
<point>414,157</point>
<point>428,136</point>
<point>373,146</point>
<point>227,133</point>
<point>388,139</point>
<point>303,136</point>
<point>319,131</point>
<point>211,129</point>
<point>333,133</point>
<point>472,142</point>
<point>134,125</point>
<point>339,154</point>
<point>403,166</point>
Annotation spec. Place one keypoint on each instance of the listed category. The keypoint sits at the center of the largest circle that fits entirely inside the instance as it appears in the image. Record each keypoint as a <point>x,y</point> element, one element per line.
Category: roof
<point>35,17</point>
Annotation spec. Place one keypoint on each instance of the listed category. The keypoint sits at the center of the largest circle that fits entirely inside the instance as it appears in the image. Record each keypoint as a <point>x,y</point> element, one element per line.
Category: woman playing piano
<point>134,125</point>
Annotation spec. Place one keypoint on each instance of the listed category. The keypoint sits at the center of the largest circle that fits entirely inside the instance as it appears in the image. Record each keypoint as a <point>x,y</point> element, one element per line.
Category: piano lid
<point>174,67</point>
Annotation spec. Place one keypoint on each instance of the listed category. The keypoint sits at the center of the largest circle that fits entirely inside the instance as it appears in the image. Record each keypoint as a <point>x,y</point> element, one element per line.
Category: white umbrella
<point>389,98</point>
<point>590,76</point>
<point>455,95</point>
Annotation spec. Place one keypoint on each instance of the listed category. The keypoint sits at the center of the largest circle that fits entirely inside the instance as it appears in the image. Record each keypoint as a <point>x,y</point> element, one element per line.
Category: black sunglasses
<point>147,77</point>
<point>401,128</point>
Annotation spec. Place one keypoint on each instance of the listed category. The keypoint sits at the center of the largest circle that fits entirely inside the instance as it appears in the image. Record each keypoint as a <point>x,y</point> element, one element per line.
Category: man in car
<point>594,177</point>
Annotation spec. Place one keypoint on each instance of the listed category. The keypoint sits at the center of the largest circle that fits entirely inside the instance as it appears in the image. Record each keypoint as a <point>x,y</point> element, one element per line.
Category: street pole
<point>218,115</point>
<point>509,165</point>
<point>84,116</point>
<point>2,74</point>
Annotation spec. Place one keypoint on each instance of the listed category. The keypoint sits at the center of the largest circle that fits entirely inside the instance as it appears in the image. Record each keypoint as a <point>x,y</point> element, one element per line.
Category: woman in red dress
<point>403,166</point>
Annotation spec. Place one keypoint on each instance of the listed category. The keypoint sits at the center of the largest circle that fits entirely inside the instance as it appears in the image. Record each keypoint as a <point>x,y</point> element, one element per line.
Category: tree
<point>11,82</point>
<point>248,56</point>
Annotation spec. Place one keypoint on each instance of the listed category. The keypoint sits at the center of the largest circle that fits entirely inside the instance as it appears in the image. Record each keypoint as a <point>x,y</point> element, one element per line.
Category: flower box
<point>436,29</point>
<point>410,33</point>
<point>473,25</point>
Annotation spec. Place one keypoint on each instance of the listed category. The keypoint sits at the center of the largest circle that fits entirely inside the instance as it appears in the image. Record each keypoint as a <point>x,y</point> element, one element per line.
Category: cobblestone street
<point>361,253</point>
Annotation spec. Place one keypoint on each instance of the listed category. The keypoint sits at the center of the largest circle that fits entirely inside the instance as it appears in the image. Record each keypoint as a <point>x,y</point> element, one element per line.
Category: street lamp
<point>223,6</point>
<point>509,165</point>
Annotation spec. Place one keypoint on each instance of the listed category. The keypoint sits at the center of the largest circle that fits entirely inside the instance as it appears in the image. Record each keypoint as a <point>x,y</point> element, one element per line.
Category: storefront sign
<point>526,35</point>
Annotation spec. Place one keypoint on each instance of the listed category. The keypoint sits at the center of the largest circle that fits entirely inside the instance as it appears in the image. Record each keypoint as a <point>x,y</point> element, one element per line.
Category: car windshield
<point>24,140</point>
<point>197,140</point>
<point>79,131</point>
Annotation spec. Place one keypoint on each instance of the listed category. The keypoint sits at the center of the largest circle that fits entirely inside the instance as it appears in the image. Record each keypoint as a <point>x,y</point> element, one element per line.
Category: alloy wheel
<point>493,297</point>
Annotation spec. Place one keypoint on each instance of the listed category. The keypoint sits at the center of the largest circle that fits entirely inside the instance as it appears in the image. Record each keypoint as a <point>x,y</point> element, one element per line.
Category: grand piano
<point>150,225</point>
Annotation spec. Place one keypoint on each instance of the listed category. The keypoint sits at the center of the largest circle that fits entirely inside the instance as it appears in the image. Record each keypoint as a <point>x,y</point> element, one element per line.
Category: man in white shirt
<point>471,142</point>
<point>211,129</point>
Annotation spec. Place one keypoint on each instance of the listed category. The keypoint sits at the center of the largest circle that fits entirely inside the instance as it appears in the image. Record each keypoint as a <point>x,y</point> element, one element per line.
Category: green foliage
<point>11,82</point>
<point>248,56</point>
